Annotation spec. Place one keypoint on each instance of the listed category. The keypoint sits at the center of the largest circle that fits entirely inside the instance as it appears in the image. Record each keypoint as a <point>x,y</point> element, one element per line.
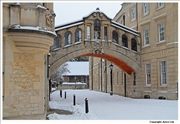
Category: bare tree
<point>58,73</point>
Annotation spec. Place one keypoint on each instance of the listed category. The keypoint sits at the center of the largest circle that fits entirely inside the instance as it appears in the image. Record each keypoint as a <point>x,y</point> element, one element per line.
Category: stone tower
<point>28,33</point>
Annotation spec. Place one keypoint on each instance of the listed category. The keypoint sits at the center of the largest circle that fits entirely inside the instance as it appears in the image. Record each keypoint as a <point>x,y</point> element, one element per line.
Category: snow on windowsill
<point>146,46</point>
<point>125,47</point>
<point>67,45</point>
<point>160,42</point>
<point>78,42</point>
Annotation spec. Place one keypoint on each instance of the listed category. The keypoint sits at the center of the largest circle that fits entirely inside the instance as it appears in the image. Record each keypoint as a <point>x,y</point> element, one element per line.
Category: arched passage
<point>125,59</point>
<point>114,60</point>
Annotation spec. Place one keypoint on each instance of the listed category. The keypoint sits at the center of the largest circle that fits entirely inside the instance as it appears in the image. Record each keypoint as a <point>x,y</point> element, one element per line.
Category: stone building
<point>158,73</point>
<point>28,33</point>
<point>78,72</point>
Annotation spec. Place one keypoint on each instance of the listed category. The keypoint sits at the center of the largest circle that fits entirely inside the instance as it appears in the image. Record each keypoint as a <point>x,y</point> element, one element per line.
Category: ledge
<point>146,46</point>
<point>164,41</point>
<point>160,16</point>
<point>145,22</point>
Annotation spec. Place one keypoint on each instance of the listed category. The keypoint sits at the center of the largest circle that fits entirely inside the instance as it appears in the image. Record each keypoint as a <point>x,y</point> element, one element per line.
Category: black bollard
<point>65,95</point>
<point>74,100</point>
<point>61,93</point>
<point>86,106</point>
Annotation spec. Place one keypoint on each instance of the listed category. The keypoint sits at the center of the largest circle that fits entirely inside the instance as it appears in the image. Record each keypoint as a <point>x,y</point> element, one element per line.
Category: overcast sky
<point>71,11</point>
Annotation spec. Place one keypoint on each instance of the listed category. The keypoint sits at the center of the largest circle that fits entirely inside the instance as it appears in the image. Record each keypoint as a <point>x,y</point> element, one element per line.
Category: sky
<point>71,11</point>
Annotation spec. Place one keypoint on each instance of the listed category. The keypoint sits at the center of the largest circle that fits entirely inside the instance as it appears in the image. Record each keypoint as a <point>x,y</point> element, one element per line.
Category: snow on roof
<point>71,25</point>
<point>78,68</point>
<point>37,28</point>
<point>96,11</point>
<point>125,28</point>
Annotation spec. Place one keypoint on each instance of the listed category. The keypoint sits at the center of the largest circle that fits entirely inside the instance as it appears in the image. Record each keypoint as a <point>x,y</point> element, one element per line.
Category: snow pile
<point>103,106</point>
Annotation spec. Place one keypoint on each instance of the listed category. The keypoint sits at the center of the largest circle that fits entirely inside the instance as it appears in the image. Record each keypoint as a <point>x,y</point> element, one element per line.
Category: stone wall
<point>25,89</point>
<point>71,86</point>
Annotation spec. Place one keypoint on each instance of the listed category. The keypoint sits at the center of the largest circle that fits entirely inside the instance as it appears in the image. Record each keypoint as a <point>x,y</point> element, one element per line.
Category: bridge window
<point>78,34</point>
<point>124,41</point>
<point>97,29</point>
<point>88,32</point>
<point>133,44</point>
<point>57,42</point>
<point>115,36</point>
<point>67,38</point>
<point>105,33</point>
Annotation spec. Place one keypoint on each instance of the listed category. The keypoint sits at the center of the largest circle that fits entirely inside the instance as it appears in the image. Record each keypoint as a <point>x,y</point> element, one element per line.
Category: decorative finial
<point>97,8</point>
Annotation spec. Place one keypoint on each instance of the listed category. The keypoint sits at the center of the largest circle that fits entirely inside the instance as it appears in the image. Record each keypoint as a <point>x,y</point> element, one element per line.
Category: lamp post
<point>111,67</point>
<point>75,81</point>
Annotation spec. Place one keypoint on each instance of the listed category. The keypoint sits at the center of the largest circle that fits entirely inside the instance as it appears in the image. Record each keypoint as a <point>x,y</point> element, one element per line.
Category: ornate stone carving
<point>49,20</point>
<point>97,48</point>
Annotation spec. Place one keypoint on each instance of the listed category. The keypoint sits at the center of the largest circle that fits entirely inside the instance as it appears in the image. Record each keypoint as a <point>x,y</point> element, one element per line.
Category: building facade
<point>158,74</point>
<point>28,33</point>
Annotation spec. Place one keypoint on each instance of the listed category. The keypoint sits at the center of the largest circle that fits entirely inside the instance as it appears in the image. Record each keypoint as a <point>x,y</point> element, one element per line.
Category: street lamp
<point>111,67</point>
<point>75,81</point>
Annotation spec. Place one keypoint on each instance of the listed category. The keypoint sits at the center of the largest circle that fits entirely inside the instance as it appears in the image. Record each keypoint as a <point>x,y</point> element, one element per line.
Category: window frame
<point>145,40</point>
<point>79,32</point>
<point>88,29</point>
<point>160,5</point>
<point>106,33</point>
<point>123,43</point>
<point>67,38</point>
<point>133,16</point>
<point>133,44</point>
<point>161,73</point>
<point>97,28</point>
<point>160,32</point>
<point>115,37</point>
<point>146,72</point>
<point>145,9</point>
<point>57,42</point>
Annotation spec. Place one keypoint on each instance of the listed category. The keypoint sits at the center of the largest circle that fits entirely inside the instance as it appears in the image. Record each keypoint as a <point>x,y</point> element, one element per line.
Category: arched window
<point>133,44</point>
<point>78,34</point>
<point>67,38</point>
<point>115,36</point>
<point>124,41</point>
<point>97,29</point>
<point>57,41</point>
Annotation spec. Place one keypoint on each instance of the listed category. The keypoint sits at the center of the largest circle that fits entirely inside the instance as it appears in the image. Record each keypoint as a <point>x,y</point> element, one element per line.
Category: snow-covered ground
<point>103,106</point>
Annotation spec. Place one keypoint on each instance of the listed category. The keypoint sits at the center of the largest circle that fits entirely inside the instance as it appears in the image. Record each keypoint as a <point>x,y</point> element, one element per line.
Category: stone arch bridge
<point>96,35</point>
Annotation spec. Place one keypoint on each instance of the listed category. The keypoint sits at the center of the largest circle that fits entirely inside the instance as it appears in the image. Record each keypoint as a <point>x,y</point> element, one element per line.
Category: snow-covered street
<point>103,106</point>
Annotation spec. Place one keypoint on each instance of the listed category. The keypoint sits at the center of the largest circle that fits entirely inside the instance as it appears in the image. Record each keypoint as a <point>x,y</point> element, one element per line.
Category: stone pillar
<point>24,50</point>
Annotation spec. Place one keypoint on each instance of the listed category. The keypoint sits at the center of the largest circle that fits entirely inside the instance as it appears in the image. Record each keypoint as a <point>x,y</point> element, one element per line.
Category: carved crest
<point>49,20</point>
<point>97,48</point>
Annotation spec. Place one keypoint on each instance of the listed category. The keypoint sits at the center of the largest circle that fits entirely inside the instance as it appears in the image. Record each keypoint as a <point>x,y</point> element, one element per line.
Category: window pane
<point>163,72</point>
<point>148,74</point>
<point>88,32</point>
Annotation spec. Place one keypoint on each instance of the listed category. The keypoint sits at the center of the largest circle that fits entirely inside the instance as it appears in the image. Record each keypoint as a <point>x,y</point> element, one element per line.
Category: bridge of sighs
<point>96,35</point>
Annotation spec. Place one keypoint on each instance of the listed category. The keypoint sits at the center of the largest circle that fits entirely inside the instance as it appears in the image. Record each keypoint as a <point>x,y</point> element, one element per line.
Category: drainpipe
<point>137,15</point>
